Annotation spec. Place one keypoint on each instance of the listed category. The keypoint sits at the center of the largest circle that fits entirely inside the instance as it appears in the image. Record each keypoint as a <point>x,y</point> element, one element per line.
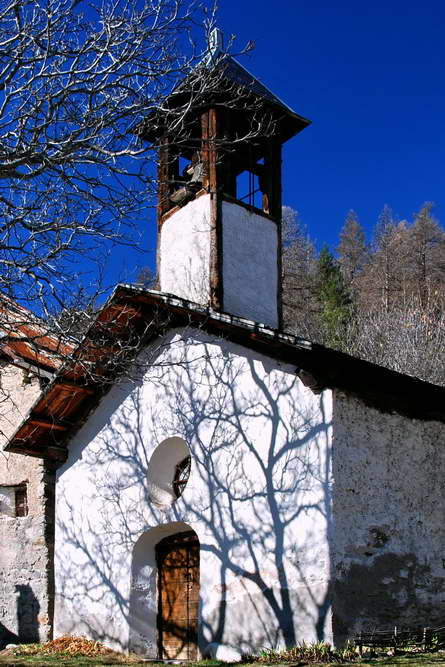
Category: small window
<point>182,474</point>
<point>253,185</point>
<point>21,501</point>
<point>248,189</point>
<point>13,501</point>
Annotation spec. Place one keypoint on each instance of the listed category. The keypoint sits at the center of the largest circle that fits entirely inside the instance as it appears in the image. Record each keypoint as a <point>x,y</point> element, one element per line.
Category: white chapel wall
<point>258,498</point>
<point>388,548</point>
<point>185,252</point>
<point>250,264</point>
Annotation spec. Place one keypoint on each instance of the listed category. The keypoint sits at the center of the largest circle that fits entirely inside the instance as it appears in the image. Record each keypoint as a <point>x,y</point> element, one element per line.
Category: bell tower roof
<point>218,79</point>
<point>219,136</point>
<point>233,71</point>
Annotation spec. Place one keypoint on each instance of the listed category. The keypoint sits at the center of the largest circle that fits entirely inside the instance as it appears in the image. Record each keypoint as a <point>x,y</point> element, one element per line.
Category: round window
<point>182,474</point>
<point>168,471</point>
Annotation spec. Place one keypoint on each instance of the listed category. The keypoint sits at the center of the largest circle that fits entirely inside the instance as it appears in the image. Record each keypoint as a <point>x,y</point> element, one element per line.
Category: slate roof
<point>134,316</point>
<point>234,71</point>
<point>223,68</point>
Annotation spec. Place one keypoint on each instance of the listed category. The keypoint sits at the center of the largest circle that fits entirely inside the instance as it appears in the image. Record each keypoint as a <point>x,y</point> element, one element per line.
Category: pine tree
<point>334,299</point>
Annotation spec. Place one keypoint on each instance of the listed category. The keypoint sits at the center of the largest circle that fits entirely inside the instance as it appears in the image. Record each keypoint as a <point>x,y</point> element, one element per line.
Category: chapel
<point>222,486</point>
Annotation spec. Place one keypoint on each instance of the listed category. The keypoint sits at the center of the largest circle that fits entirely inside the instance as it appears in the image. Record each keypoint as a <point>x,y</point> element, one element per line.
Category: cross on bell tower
<point>220,136</point>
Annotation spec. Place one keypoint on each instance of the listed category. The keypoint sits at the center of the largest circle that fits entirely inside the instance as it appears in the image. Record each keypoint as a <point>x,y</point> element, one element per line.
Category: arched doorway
<point>177,558</point>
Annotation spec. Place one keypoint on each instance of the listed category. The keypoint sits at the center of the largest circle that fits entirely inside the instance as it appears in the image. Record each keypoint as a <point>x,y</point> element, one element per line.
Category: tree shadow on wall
<point>27,619</point>
<point>260,469</point>
<point>28,608</point>
<point>7,637</point>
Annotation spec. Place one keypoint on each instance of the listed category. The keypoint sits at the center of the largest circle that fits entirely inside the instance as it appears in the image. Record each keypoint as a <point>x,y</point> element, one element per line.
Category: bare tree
<point>75,79</point>
<point>352,248</point>
<point>399,306</point>
<point>146,278</point>
<point>395,315</point>
<point>378,283</point>
<point>427,241</point>
<point>406,339</point>
<point>300,307</point>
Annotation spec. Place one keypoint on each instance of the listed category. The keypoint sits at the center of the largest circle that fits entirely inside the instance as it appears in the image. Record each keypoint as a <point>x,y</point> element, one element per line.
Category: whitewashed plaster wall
<point>250,264</point>
<point>258,498</point>
<point>25,595</point>
<point>388,551</point>
<point>185,252</point>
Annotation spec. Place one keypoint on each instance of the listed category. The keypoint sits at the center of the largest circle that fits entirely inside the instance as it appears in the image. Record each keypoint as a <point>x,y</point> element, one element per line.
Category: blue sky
<point>371,78</point>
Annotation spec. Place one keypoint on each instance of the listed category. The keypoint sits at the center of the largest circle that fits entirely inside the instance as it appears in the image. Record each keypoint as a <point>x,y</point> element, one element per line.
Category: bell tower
<point>220,137</point>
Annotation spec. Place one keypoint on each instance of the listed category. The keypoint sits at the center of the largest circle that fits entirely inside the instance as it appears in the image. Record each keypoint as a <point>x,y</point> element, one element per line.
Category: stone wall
<point>388,554</point>
<point>25,571</point>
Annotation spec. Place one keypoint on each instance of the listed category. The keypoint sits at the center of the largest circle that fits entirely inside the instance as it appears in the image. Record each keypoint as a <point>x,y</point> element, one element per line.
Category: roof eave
<point>69,399</point>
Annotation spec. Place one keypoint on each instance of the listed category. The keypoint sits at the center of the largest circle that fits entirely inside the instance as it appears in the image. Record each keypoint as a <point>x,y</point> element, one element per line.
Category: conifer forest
<point>382,300</point>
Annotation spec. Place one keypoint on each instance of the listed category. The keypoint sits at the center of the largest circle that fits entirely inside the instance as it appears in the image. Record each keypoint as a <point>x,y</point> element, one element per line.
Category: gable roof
<point>134,316</point>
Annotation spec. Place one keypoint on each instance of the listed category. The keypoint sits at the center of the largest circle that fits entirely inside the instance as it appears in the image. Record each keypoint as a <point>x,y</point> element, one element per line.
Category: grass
<point>417,660</point>
<point>39,660</point>
<point>313,655</point>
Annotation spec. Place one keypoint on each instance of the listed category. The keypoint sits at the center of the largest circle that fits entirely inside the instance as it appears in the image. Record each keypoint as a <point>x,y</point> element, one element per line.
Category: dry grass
<point>67,645</point>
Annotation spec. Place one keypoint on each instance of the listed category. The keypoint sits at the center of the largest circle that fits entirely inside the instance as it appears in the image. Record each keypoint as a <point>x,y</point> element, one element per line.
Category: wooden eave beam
<point>52,424</point>
<point>72,386</point>
<point>51,452</point>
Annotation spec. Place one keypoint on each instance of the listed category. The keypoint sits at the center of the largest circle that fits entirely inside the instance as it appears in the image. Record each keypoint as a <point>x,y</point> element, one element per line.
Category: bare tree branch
<point>75,79</point>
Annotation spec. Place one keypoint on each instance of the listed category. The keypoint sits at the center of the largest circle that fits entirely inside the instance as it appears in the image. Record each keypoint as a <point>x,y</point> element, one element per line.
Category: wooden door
<point>178,596</point>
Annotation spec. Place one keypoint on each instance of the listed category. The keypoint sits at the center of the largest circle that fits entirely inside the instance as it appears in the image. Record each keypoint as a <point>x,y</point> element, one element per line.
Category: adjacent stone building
<point>28,360</point>
<point>23,556</point>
